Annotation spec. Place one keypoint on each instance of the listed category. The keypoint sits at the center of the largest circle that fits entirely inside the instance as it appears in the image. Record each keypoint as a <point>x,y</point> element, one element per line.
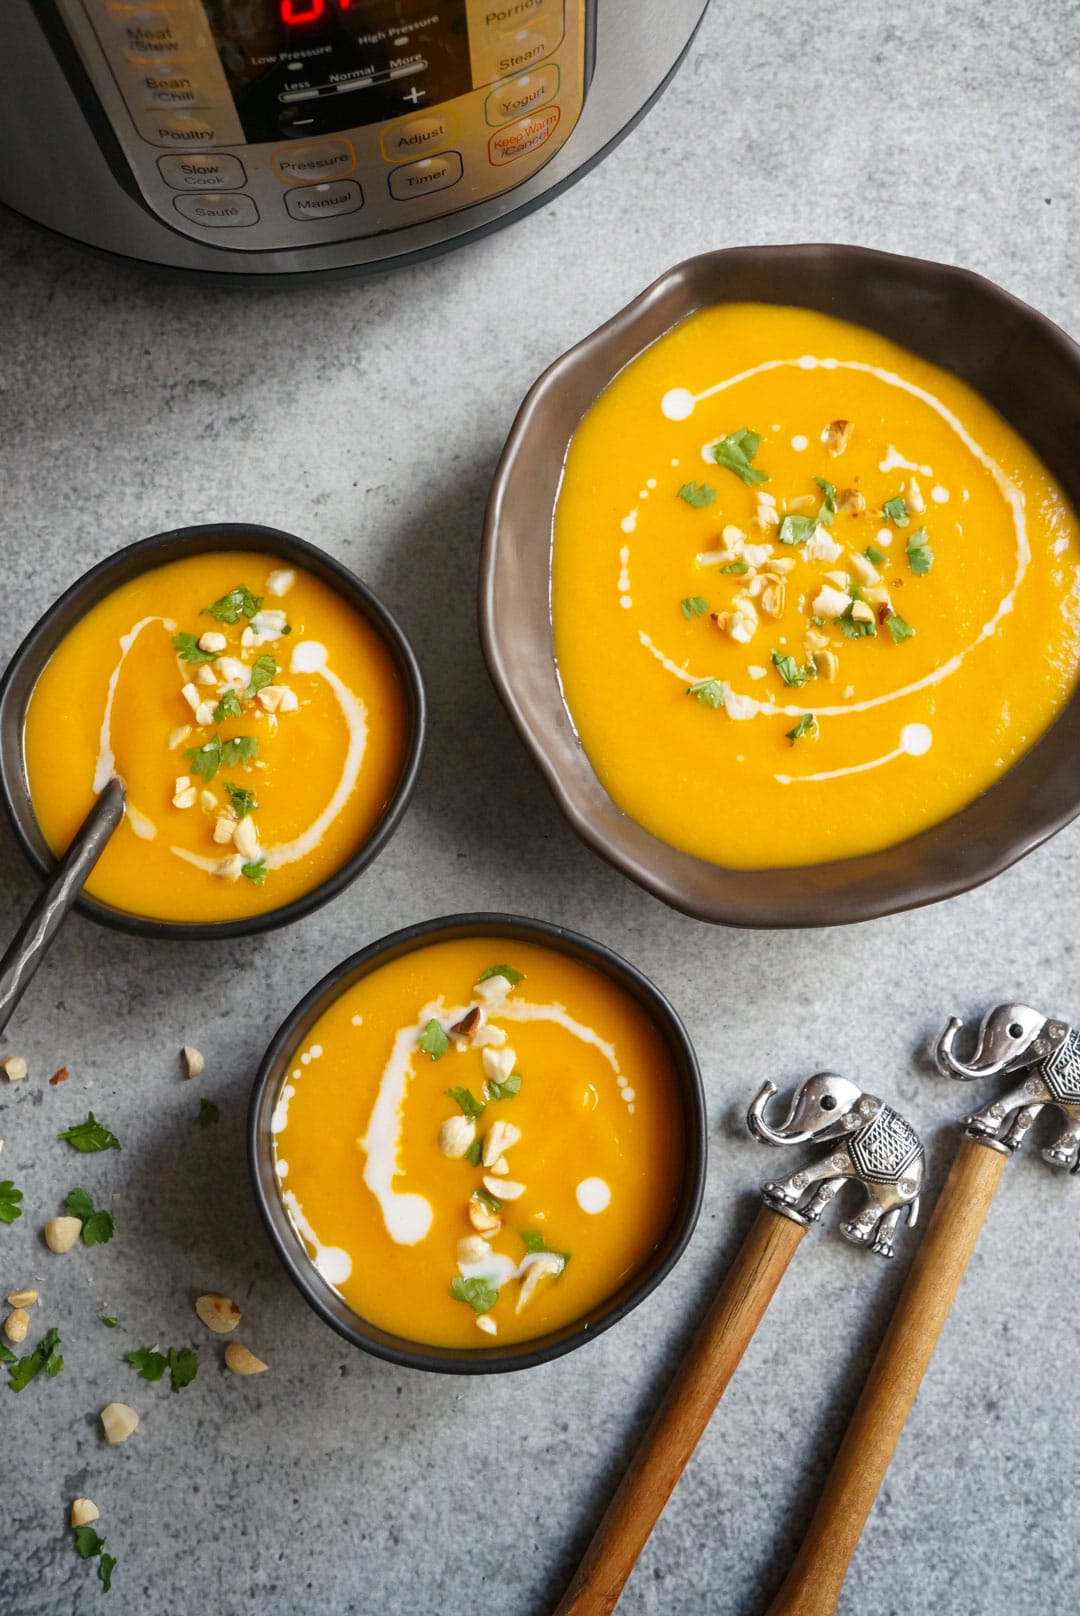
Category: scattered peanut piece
<point>456,1136</point>
<point>83,1511</point>
<point>218,1313</point>
<point>850,502</point>
<point>499,1137</point>
<point>178,736</point>
<point>485,1322</point>
<point>473,1248</point>
<point>241,1361</point>
<point>280,581</point>
<point>14,1068</point>
<point>26,1298</point>
<point>118,1422</point>
<point>62,1233</point>
<point>246,838</point>
<point>193,1060</point>
<point>545,1267</point>
<point>60,1076</point>
<point>17,1324</point>
<point>483,1219</point>
<point>469,1023</point>
<point>838,436</point>
<point>503,1189</point>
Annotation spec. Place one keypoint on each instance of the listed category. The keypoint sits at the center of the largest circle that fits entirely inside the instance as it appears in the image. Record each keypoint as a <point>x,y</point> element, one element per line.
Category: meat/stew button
<point>526,135</point>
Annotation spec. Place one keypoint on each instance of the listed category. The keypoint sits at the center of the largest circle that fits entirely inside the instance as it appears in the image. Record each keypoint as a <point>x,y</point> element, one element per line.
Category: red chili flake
<point>59,1077</point>
<point>884,612</point>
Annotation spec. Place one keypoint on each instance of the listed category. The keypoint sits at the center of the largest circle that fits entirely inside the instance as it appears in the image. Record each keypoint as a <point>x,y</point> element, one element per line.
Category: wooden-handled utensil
<point>867,1141</point>
<point>1012,1038</point>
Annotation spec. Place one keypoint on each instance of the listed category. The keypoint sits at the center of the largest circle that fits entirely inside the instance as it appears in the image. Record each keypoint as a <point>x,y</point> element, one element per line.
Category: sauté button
<point>524,94</point>
<point>314,160</point>
<point>417,136</point>
<point>519,139</point>
<point>217,212</point>
<point>409,180</point>
<point>204,171</point>
<point>324,201</point>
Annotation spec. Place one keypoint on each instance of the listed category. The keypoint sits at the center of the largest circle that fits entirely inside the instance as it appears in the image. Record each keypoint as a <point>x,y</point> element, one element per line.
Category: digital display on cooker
<point>305,67</point>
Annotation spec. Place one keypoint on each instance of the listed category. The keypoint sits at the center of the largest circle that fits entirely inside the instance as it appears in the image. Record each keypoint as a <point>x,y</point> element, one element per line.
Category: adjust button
<point>430,132</point>
<point>217,212</point>
<point>324,201</point>
<point>314,160</point>
<point>205,171</point>
<point>522,138</point>
<point>521,95</point>
<point>429,174</point>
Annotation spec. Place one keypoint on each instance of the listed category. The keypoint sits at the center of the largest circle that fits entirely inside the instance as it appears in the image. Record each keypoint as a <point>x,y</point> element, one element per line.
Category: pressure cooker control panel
<point>268,124</point>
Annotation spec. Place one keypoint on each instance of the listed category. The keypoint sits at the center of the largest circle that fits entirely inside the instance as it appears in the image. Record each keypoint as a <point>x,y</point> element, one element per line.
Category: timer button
<point>205,171</point>
<point>521,139</point>
<point>410,180</point>
<point>417,136</point>
<point>324,201</point>
<point>314,160</point>
<point>224,212</point>
<point>518,96</point>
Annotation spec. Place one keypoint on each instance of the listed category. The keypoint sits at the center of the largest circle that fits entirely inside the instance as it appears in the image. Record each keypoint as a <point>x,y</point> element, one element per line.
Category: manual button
<point>324,201</point>
<point>203,171</point>
<point>314,160</point>
<point>429,174</point>
<point>418,136</point>
<point>217,212</point>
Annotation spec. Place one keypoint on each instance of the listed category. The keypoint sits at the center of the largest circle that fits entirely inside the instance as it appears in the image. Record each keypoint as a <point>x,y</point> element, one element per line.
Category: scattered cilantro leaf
<point>255,871</point>
<point>828,504</point>
<point>106,1567</point>
<point>46,1355</point>
<point>806,726</point>
<point>243,802</point>
<point>488,1199</point>
<point>262,673</point>
<point>9,1201</point>
<point>796,529</point>
<point>6,1354</point>
<point>736,453</point>
<point>736,567</point>
<point>876,557</point>
<point>209,1114</point>
<point>852,628</point>
<point>470,1105</point>
<point>241,749</point>
<point>188,649</point>
<point>474,1153</point>
<point>239,602</point>
<point>896,510</point>
<point>97,1227</point>
<point>150,1363</point>
<point>183,1366</point>
<point>110,1323</point>
<point>693,606</point>
<point>480,1294</point>
<point>205,760</point>
<point>512,976</point>
<point>434,1040</point>
<point>898,628</point>
<point>697,494</point>
<point>90,1136</point>
<point>919,553</point>
<point>505,1090</point>
<point>87,1542</point>
<point>710,692</point>
<point>535,1244</point>
<point>818,622</point>
<point>789,669</point>
<point>228,707</point>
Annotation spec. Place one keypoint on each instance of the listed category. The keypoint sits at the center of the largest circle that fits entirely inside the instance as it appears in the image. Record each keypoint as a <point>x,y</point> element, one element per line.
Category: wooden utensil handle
<point>812,1587</point>
<point>698,1386</point>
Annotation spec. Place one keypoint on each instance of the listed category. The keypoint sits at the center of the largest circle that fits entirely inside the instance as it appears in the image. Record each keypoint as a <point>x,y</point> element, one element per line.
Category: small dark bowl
<point>26,665</point>
<point>1020,362</point>
<point>520,1355</point>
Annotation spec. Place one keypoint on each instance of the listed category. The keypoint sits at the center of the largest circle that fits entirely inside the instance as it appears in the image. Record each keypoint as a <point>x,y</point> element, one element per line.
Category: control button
<point>314,160</point>
<point>525,49</point>
<point>209,171</point>
<point>518,96</point>
<point>512,15</point>
<point>166,128</point>
<point>521,138</point>
<point>417,136</point>
<point>429,174</point>
<point>324,201</point>
<point>151,30</point>
<point>217,212</point>
<point>165,89</point>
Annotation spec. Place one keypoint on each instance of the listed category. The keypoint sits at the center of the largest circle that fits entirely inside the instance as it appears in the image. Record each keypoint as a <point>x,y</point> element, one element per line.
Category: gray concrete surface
<point>368,416</point>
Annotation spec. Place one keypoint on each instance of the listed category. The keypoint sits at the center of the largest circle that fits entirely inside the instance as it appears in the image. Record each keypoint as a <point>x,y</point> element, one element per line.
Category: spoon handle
<point>27,948</point>
<point>698,1386</point>
<point>812,1586</point>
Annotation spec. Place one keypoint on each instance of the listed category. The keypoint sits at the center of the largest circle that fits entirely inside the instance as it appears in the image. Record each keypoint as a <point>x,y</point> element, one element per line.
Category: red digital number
<point>294,11</point>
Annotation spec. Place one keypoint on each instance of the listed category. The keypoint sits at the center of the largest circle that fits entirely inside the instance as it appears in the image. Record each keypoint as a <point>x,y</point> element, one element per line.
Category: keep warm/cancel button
<point>519,139</point>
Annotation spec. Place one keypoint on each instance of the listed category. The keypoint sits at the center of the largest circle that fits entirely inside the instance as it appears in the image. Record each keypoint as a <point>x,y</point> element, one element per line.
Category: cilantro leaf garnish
<point>828,504</point>
<point>475,1152</point>
<point>9,1201</point>
<point>796,529</point>
<point>109,1323</point>
<point>710,692</point>
<point>87,1542</point>
<point>470,1105</point>
<point>898,628</point>
<point>505,1090</point>
<point>736,453</point>
<point>46,1355</point>
<point>876,557</point>
<point>736,567</point>
<point>6,1354</point>
<point>188,649</point>
<point>243,802</point>
<point>150,1363</point>
<point>853,628</point>
<point>209,1113</point>
<point>228,707</point>
<point>106,1567</point>
<point>434,1040</point>
<point>789,669</point>
<point>90,1136</point>
<point>512,976</point>
<point>255,871</point>
<point>183,1366</point>
<point>896,510</point>
<point>806,726</point>
<point>262,673</point>
<point>215,754</point>
<point>535,1245</point>
<point>241,749</point>
<point>239,602</point>
<point>919,553</point>
<point>480,1294</point>
<point>97,1227</point>
<point>694,606</point>
<point>488,1199</point>
<point>697,494</point>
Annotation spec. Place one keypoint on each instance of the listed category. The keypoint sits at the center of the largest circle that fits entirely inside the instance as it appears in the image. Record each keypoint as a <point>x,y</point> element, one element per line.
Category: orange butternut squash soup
<point>258,723</point>
<point>476,1152</point>
<point>810,593</point>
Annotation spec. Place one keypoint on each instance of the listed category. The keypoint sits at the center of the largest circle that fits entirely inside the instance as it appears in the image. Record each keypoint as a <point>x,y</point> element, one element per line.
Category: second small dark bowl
<point>26,665</point>
<point>325,1301</point>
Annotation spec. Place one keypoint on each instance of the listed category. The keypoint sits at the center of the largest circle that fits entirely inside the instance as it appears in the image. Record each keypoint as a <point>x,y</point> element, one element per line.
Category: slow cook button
<point>521,138</point>
<point>314,160</point>
<point>429,174</point>
<point>324,201</point>
<point>524,94</point>
<point>217,212</point>
<point>418,135</point>
<point>205,171</point>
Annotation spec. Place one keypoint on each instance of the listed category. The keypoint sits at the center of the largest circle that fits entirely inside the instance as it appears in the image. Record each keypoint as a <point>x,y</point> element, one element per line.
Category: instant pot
<point>293,137</point>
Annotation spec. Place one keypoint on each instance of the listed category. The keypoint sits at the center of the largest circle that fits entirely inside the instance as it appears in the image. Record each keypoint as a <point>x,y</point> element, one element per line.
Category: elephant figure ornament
<point>1014,1038</point>
<point>870,1142</point>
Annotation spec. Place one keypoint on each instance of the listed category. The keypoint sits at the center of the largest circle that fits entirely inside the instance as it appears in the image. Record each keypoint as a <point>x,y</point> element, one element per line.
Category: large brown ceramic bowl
<point>1025,366</point>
